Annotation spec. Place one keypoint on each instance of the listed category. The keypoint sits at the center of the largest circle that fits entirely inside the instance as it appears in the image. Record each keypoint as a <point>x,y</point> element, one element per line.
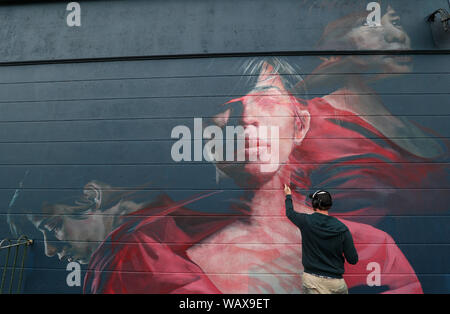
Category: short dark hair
<point>321,200</point>
<point>289,73</point>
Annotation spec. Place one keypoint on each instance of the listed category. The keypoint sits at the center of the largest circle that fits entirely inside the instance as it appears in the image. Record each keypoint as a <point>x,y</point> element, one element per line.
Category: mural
<point>328,128</point>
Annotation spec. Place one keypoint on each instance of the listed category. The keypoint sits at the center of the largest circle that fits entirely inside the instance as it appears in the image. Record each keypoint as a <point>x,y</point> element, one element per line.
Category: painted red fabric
<point>369,174</point>
<point>147,253</point>
<point>380,256</point>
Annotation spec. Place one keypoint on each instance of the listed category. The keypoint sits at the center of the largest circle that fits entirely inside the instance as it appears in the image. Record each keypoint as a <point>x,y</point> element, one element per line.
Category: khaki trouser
<point>319,285</point>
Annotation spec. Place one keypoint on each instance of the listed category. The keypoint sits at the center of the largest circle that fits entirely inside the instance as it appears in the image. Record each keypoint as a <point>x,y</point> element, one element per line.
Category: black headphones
<point>315,202</point>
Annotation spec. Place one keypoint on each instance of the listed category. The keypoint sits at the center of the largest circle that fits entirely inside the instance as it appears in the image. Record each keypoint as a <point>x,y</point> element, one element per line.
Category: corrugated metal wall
<point>89,139</point>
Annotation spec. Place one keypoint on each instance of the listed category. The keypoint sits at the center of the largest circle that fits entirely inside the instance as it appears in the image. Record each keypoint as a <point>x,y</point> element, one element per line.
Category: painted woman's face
<point>268,105</point>
<point>389,36</point>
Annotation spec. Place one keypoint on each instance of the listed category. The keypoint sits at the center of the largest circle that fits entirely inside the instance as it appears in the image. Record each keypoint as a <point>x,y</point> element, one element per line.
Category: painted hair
<point>288,73</point>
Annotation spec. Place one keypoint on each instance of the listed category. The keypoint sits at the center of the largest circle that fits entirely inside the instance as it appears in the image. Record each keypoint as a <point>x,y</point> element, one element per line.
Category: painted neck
<point>269,198</point>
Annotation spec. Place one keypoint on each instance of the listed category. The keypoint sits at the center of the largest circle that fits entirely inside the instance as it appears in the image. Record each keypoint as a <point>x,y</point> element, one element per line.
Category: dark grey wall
<point>38,30</point>
<point>67,123</point>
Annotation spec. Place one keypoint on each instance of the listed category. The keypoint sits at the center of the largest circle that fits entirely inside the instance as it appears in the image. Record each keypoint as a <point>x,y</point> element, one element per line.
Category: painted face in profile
<point>72,232</point>
<point>69,237</point>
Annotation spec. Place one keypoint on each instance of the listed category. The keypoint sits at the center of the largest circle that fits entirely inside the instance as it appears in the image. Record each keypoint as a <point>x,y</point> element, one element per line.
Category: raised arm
<point>296,218</point>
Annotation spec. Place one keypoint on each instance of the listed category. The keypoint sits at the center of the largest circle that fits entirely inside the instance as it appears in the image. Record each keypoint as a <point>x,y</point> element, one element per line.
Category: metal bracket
<point>21,241</point>
<point>445,18</point>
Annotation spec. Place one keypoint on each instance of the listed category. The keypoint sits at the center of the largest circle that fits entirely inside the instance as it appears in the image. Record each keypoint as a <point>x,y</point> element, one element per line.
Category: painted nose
<point>395,35</point>
<point>250,115</point>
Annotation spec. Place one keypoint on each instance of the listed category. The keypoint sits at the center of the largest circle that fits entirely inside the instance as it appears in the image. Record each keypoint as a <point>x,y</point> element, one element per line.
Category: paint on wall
<point>204,224</point>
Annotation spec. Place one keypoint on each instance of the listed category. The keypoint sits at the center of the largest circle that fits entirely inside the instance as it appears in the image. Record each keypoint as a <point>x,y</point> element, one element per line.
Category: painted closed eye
<point>263,88</point>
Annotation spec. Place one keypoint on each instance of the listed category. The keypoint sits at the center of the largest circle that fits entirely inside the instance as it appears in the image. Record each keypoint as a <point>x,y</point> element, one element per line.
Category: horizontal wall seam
<point>225,189</point>
<point>208,96</point>
<point>220,96</point>
<point>168,139</point>
<point>237,243</point>
<point>294,273</point>
<point>202,215</point>
<point>219,76</point>
<point>444,115</point>
<point>230,55</point>
<point>199,163</point>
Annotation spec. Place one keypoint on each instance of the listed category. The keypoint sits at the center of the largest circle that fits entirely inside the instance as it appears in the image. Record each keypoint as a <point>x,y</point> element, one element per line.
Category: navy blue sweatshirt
<point>325,242</point>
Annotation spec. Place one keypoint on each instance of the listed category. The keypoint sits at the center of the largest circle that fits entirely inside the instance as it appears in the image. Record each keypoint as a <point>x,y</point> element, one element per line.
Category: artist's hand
<point>287,190</point>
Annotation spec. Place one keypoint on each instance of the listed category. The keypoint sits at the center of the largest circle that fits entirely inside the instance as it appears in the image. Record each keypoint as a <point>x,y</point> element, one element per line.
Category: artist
<point>325,243</point>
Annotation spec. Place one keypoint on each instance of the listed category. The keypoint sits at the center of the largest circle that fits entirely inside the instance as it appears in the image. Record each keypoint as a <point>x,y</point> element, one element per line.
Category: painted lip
<point>256,143</point>
<point>65,258</point>
<point>66,255</point>
<point>260,146</point>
